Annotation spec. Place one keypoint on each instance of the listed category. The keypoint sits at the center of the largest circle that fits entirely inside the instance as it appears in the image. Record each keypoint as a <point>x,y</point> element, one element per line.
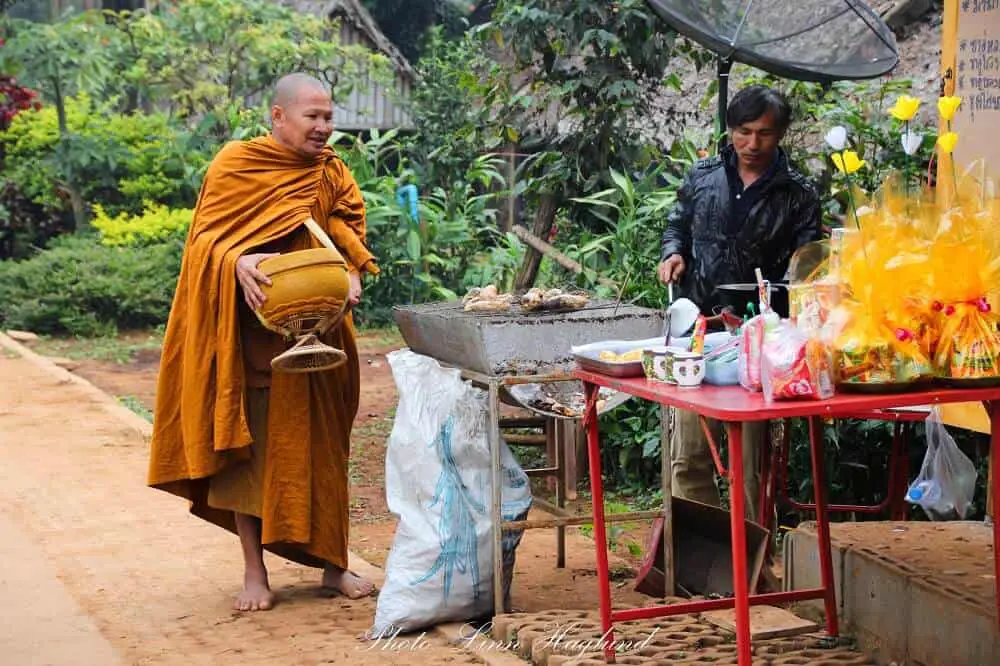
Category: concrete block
<point>877,594</point>
<point>947,628</point>
<point>800,553</point>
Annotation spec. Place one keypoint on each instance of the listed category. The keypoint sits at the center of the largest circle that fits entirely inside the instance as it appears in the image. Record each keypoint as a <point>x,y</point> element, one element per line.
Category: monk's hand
<point>249,276</point>
<point>354,291</point>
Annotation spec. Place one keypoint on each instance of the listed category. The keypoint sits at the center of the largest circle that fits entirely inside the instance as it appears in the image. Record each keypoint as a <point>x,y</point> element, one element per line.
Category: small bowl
<point>307,286</point>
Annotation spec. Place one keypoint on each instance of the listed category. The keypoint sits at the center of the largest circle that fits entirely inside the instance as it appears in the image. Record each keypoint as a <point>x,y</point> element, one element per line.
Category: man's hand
<point>249,275</point>
<point>671,269</point>
<point>354,293</point>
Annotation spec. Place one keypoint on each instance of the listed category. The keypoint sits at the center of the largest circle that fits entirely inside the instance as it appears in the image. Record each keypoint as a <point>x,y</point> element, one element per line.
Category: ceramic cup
<point>658,363</point>
<point>688,369</point>
<point>654,364</point>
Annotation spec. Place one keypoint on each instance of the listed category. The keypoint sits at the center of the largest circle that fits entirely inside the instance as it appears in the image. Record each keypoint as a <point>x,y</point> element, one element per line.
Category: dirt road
<point>98,569</point>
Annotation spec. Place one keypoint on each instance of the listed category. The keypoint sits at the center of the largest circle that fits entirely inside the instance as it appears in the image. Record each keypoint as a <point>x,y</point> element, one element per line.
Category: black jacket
<point>719,250</point>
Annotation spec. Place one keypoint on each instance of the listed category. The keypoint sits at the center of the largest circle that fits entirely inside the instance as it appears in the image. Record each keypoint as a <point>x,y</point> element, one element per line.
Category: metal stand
<point>557,432</point>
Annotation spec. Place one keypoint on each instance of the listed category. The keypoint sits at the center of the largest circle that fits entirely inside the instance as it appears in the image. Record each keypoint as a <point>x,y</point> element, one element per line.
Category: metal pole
<point>724,67</point>
<point>496,513</point>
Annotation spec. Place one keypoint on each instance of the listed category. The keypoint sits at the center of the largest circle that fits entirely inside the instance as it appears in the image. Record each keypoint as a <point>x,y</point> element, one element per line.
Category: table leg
<point>496,501</point>
<point>666,483</point>
<point>823,524</point>
<point>600,536</point>
<point>994,480</point>
<point>737,515</point>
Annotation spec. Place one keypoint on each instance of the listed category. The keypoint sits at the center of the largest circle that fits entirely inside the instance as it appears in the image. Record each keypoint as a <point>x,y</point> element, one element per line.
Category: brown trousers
<point>692,466</point>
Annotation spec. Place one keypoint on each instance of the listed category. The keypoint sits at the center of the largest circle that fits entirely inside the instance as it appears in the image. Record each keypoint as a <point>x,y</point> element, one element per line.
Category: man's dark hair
<point>754,102</point>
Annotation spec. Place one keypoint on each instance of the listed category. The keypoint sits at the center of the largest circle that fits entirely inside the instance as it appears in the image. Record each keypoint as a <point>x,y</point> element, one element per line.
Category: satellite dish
<point>805,40</point>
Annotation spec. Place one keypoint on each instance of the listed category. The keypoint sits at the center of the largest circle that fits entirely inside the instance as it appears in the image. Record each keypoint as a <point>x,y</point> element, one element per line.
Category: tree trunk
<point>81,221</point>
<point>546,215</point>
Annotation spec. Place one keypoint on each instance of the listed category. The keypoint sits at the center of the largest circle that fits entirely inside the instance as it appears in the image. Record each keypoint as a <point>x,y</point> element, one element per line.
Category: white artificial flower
<point>836,138</point>
<point>911,142</point>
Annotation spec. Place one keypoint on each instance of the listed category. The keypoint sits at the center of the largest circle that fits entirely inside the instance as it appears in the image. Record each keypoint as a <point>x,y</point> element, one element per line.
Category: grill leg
<point>558,430</point>
<point>572,441</point>
<point>497,510</point>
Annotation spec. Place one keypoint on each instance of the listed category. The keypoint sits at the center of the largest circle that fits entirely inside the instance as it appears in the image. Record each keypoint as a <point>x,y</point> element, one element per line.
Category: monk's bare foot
<point>256,594</point>
<point>346,582</point>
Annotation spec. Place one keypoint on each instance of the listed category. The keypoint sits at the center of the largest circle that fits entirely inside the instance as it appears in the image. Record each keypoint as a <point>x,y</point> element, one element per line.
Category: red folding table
<point>733,405</point>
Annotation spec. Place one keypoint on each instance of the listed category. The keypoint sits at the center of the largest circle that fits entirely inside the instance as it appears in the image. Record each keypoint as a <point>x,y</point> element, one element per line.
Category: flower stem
<point>850,199</point>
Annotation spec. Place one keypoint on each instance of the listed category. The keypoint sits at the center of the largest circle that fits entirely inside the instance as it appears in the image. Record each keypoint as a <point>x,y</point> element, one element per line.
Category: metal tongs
<point>666,318</point>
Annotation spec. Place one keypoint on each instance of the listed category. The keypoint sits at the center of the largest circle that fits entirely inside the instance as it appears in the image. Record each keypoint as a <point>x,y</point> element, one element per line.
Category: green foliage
<point>156,224</point>
<point>122,160</point>
<point>136,406</point>
<point>25,224</point>
<point>862,109</point>
<point>630,447</point>
<point>81,287</point>
<point>59,59</point>
<point>599,65</point>
<point>427,258</point>
<point>444,109</point>
<point>209,58</point>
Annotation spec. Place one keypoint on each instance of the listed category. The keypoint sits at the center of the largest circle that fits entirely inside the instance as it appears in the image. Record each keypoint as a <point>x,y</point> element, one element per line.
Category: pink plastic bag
<point>751,344</point>
<point>795,366</point>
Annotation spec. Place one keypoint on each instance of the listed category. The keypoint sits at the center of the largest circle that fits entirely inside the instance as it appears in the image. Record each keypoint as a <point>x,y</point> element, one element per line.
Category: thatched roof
<point>354,13</point>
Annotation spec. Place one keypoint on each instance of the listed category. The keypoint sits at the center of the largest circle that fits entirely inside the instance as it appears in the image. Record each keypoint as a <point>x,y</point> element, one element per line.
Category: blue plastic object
<point>407,196</point>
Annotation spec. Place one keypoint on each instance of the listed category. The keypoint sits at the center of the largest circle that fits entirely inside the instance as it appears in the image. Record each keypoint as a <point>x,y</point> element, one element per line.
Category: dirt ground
<point>373,527</point>
<point>155,582</point>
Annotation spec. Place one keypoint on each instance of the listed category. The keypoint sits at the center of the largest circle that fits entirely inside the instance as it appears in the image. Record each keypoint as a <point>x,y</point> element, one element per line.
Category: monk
<point>263,455</point>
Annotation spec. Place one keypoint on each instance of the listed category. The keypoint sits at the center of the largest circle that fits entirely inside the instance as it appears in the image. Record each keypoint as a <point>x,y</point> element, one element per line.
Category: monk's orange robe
<point>255,194</point>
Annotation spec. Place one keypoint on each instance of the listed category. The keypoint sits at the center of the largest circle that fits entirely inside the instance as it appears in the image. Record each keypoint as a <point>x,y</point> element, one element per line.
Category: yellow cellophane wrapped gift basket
<point>918,280</point>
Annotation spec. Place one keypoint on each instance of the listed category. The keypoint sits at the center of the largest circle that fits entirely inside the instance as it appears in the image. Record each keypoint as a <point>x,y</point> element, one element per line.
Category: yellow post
<point>971,416</point>
<point>949,58</point>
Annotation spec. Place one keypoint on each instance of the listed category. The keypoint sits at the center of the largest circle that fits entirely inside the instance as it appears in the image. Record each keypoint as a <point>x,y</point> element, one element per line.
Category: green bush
<point>157,224</point>
<point>82,287</point>
<point>128,159</point>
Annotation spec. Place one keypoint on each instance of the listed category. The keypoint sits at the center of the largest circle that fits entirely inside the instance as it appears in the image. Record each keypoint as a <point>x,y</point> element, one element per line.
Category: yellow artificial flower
<point>947,106</point>
<point>847,162</point>
<point>905,108</point>
<point>947,141</point>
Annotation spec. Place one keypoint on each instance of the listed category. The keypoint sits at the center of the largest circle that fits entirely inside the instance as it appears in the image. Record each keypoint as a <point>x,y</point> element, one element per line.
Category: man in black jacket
<point>744,209</point>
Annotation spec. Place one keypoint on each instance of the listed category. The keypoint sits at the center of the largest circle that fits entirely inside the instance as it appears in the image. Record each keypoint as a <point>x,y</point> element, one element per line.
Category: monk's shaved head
<point>301,114</point>
<point>289,87</point>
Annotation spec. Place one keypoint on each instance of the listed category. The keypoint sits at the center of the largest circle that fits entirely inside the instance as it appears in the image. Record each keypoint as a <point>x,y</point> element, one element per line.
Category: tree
<point>575,75</point>
<point>61,59</point>
<point>207,59</point>
<point>406,22</point>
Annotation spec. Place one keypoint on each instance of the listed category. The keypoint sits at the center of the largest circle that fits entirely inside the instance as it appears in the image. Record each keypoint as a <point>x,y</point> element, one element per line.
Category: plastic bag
<point>870,351</point>
<point>947,480</point>
<point>795,366</point>
<point>751,343</point>
<point>969,347</point>
<point>437,481</point>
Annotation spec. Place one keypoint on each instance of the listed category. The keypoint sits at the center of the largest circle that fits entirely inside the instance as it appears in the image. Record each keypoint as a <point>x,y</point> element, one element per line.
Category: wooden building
<point>371,106</point>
